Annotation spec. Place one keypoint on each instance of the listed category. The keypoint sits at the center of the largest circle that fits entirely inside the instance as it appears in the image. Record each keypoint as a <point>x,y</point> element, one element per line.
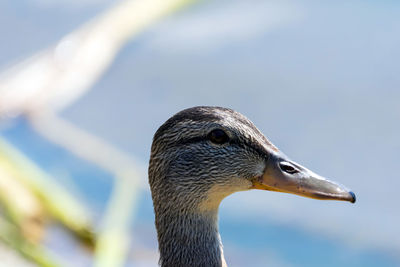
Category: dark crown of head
<point>184,127</point>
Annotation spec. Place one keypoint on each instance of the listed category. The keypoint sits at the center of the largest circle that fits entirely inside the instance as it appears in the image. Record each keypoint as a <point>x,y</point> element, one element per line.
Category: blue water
<point>247,241</point>
<point>296,246</point>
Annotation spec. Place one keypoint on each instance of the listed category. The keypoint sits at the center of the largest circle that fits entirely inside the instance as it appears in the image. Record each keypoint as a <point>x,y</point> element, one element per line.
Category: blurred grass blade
<point>20,204</point>
<point>56,200</point>
<point>56,77</point>
<point>11,236</point>
<point>114,237</point>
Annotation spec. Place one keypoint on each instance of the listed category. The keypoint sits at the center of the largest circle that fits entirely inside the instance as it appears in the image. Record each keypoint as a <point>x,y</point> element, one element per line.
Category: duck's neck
<point>189,239</point>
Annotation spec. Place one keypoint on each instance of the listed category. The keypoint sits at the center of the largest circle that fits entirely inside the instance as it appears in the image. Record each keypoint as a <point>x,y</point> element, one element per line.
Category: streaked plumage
<point>193,166</point>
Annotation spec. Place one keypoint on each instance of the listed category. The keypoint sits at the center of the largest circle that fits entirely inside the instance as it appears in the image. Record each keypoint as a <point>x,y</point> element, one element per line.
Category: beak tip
<point>353,197</point>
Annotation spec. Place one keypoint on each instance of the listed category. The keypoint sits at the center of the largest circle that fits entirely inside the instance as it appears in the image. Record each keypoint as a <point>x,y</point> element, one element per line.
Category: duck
<point>203,154</point>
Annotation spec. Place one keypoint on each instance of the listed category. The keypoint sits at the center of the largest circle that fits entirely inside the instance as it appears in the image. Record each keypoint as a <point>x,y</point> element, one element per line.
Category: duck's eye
<point>288,168</point>
<point>218,136</point>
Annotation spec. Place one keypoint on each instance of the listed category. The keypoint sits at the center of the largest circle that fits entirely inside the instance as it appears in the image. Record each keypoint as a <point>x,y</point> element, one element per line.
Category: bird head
<point>202,154</point>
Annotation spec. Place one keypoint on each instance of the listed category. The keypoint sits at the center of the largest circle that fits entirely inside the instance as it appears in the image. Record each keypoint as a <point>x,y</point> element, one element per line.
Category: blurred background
<point>85,84</point>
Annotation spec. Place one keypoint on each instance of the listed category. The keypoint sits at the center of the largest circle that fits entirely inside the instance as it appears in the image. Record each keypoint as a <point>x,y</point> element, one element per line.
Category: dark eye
<point>218,136</point>
<point>287,167</point>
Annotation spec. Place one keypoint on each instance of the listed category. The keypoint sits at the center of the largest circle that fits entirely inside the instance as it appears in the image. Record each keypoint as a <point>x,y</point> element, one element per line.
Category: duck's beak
<point>284,175</point>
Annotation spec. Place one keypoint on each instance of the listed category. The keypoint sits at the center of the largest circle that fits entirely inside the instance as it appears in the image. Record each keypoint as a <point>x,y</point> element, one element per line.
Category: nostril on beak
<point>287,167</point>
